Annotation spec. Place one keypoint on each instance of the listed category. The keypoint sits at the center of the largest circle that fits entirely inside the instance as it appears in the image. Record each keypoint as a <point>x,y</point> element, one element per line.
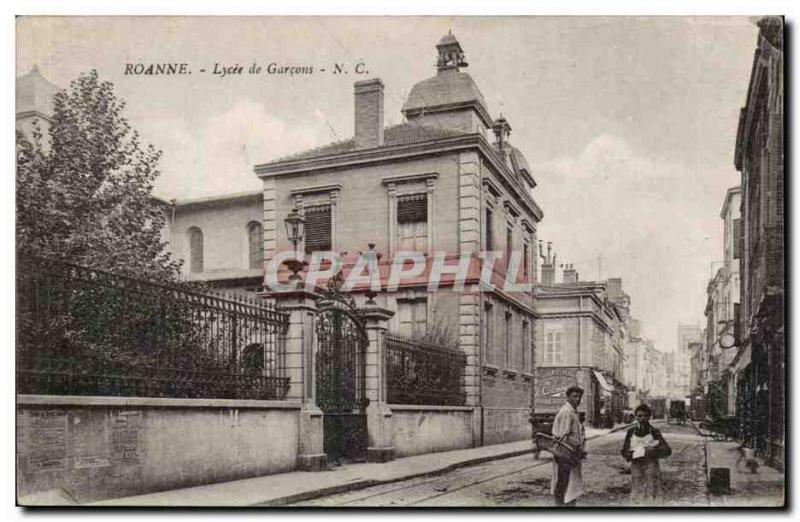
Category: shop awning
<point>603,382</point>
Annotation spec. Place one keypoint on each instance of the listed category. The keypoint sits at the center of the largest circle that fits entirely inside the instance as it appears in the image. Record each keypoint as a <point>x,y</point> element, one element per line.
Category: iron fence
<point>82,331</point>
<point>419,373</point>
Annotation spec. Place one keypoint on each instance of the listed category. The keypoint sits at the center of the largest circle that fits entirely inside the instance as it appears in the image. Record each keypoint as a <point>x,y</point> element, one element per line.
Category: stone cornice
<point>577,314</point>
<point>514,301</point>
<point>315,189</point>
<point>220,200</point>
<point>508,178</point>
<point>450,107</point>
<point>34,114</point>
<point>363,157</point>
<point>409,178</point>
<point>342,160</point>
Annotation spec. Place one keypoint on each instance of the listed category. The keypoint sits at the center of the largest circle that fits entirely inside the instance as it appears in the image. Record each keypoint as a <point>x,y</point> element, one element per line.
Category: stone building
<point>448,180</point>
<point>582,333</point>
<point>722,309</point>
<point>760,363</point>
<point>220,240</point>
<point>681,359</point>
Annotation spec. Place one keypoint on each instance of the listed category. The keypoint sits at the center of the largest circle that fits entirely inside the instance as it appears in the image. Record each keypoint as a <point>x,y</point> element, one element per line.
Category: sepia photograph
<point>400,262</point>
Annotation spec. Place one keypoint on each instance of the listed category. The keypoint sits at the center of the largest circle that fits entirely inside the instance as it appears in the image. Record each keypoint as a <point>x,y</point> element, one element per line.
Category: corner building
<point>447,179</point>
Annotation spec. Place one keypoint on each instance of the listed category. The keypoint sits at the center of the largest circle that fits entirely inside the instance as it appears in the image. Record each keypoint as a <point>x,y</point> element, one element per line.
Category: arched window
<point>195,250</point>
<point>255,241</point>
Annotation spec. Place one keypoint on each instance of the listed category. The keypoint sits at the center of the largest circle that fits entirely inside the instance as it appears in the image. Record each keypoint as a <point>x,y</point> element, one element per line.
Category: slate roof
<point>402,134</point>
<point>35,93</point>
<point>447,39</point>
<point>448,87</point>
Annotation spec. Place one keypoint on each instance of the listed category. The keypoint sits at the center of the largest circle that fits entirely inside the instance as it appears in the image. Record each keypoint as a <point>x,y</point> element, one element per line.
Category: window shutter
<point>318,228</point>
<point>412,208</point>
<point>738,239</point>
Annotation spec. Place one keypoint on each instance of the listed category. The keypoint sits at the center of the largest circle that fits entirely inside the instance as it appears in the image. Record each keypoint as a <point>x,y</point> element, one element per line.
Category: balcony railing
<point>419,373</point>
<point>82,331</point>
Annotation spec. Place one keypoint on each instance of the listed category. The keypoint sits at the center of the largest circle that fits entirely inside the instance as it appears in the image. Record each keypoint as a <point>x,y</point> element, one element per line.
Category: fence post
<point>380,434</point>
<point>299,346</point>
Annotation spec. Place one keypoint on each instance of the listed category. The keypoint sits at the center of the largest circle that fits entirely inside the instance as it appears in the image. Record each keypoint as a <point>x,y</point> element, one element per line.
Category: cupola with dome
<point>450,99</point>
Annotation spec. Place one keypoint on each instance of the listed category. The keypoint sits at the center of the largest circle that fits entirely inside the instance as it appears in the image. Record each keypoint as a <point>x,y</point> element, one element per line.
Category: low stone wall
<point>506,425</point>
<point>428,429</point>
<point>92,448</point>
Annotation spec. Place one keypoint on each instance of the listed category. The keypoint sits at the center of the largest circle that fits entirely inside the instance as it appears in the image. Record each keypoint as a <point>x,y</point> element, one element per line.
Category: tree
<point>86,196</point>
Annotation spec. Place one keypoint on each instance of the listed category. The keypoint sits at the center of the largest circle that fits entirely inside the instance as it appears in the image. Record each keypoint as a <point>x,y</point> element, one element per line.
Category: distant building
<point>581,330</point>
<point>722,312</point>
<point>34,102</point>
<point>760,364</point>
<point>687,334</point>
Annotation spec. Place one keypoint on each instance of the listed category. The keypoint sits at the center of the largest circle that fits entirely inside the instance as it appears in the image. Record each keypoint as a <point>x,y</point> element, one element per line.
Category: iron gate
<point>341,391</point>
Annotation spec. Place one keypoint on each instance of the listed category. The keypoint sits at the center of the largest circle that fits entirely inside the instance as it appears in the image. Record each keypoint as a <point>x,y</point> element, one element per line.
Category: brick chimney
<point>570,274</point>
<point>548,265</point>
<point>614,288</point>
<point>369,113</point>
<point>548,274</point>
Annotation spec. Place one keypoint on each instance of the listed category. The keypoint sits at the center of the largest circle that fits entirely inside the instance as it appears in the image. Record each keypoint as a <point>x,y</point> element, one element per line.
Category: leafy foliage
<point>84,191</point>
<point>100,307</point>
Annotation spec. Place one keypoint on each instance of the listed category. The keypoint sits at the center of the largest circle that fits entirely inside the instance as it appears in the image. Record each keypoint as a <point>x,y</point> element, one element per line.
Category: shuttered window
<point>412,208</point>
<point>412,223</point>
<point>318,228</point>
<point>738,239</point>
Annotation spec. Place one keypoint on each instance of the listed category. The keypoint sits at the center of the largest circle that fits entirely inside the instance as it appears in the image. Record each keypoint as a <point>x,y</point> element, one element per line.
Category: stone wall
<point>92,448</point>
<point>505,425</point>
<point>428,429</point>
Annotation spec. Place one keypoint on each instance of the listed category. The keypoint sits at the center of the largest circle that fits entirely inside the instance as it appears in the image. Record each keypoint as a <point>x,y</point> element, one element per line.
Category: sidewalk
<point>764,488</point>
<point>287,488</point>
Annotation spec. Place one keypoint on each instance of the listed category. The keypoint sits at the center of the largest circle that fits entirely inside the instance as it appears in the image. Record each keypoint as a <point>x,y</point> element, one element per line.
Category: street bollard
<point>719,481</point>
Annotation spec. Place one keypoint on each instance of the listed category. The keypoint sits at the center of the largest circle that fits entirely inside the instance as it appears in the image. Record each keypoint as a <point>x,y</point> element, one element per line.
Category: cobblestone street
<point>525,482</point>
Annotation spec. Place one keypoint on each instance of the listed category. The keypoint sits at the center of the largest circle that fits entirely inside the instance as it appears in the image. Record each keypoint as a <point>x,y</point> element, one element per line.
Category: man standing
<point>567,483</point>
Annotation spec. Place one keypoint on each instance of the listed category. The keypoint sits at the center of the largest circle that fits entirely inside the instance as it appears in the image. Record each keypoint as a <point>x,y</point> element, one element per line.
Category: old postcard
<point>400,261</point>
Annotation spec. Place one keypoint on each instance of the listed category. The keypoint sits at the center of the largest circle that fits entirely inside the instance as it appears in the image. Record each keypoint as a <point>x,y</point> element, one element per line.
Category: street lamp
<point>295,225</point>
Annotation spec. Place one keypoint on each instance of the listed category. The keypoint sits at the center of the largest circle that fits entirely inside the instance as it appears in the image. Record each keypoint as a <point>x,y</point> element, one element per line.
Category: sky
<point>629,124</point>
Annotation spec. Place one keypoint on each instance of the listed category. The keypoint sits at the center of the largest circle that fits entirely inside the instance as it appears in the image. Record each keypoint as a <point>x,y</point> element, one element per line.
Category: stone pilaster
<point>469,311</point>
<point>300,368</point>
<point>380,445</point>
<point>270,220</point>
<point>469,207</point>
<point>469,319</point>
